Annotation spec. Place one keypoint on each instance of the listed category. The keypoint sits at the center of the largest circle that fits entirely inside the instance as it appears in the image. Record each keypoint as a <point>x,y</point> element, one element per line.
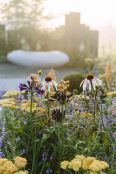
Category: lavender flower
<point>2,135</point>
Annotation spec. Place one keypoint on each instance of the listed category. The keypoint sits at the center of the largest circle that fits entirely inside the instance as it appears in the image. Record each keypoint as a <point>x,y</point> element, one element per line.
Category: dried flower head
<point>50,81</point>
<point>51,74</point>
<point>33,79</point>
<point>63,85</point>
<point>108,73</point>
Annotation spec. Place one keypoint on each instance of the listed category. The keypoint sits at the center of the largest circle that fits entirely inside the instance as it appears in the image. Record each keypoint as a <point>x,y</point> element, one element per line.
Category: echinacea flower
<point>49,83</point>
<point>91,82</point>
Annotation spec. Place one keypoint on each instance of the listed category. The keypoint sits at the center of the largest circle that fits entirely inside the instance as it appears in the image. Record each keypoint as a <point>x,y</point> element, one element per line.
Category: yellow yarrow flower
<point>90,164</point>
<point>81,157</point>
<point>97,165</point>
<point>11,93</point>
<point>40,110</point>
<point>93,173</point>
<point>22,172</point>
<point>75,164</point>
<point>87,162</point>
<point>80,97</point>
<point>64,164</point>
<point>86,114</point>
<point>7,167</point>
<point>10,103</point>
<point>8,100</point>
<point>111,93</point>
<point>25,106</point>
<point>104,164</point>
<point>20,162</point>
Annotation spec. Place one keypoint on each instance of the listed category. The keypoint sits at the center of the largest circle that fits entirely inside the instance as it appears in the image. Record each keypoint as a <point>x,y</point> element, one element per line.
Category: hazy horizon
<point>95,13</point>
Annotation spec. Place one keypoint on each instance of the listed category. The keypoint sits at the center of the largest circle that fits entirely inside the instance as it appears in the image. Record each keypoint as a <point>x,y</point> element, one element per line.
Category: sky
<point>95,13</point>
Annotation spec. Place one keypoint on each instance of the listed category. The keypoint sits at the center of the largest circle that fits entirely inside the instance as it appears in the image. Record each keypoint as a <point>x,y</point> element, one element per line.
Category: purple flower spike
<point>23,87</point>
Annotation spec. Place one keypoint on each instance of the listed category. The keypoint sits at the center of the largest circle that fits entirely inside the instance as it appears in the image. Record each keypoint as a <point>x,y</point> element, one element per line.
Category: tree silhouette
<point>24,18</point>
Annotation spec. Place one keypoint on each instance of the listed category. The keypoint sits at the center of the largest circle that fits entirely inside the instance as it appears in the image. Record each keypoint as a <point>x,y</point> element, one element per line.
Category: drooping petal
<point>94,83</point>
<point>55,84</point>
<point>100,83</point>
<point>82,82</point>
<point>89,85</point>
<point>44,84</point>
<point>85,85</point>
<point>49,86</point>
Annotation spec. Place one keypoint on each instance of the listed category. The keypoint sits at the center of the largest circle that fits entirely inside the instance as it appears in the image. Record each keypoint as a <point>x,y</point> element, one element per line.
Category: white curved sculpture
<point>38,59</point>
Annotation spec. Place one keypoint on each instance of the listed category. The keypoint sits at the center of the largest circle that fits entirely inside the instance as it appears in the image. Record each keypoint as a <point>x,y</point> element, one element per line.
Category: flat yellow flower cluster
<point>86,114</point>
<point>63,85</point>
<point>111,93</point>
<point>82,97</point>
<point>11,93</point>
<point>89,164</point>
<point>25,106</point>
<point>9,103</point>
<point>9,167</point>
<point>9,99</point>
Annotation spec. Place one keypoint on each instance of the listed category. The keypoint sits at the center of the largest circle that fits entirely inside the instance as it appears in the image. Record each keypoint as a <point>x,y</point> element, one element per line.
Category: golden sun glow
<point>96,13</point>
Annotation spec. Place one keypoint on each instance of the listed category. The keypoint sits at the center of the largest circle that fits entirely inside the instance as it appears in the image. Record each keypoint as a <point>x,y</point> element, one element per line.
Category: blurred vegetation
<point>26,21</point>
<point>75,80</point>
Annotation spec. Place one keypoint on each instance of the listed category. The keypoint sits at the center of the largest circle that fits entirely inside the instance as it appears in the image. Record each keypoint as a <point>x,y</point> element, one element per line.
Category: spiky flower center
<point>48,79</point>
<point>90,77</point>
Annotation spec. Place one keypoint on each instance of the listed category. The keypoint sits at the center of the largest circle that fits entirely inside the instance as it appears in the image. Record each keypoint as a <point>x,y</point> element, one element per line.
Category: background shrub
<point>75,80</point>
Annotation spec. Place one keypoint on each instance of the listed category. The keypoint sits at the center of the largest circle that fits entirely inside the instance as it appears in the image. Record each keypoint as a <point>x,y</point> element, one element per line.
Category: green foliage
<point>77,59</point>
<point>75,80</point>
<point>90,63</point>
<point>17,13</point>
<point>2,58</point>
<point>57,125</point>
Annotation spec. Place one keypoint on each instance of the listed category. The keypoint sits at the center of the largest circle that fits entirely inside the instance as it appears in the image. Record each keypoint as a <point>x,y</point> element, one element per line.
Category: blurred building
<point>76,37</point>
<point>2,39</point>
